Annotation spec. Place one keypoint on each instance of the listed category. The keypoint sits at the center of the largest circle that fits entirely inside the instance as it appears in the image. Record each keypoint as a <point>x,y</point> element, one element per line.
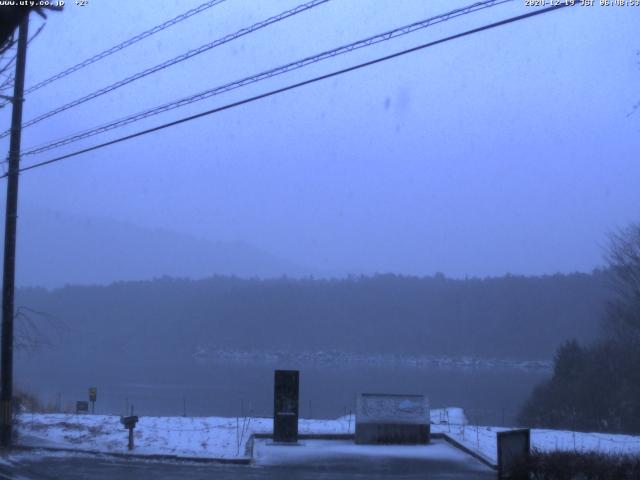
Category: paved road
<point>108,469</point>
<point>448,464</point>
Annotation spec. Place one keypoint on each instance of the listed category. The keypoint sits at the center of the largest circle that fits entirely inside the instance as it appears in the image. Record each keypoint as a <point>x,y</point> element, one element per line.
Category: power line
<point>9,78</point>
<point>33,37</point>
<point>180,58</point>
<point>10,42</point>
<point>8,65</point>
<point>121,46</point>
<point>397,32</point>
<point>298,85</point>
<point>125,44</point>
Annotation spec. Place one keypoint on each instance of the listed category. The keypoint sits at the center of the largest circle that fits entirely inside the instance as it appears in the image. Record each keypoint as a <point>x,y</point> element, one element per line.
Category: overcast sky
<point>512,150</point>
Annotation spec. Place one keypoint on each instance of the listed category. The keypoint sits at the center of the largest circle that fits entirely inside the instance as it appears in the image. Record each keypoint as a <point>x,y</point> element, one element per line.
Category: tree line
<point>504,317</point>
<point>596,385</point>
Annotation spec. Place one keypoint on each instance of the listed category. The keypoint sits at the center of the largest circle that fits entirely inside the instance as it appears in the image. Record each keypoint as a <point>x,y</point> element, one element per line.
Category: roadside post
<point>93,394</point>
<point>285,406</point>
<point>130,423</point>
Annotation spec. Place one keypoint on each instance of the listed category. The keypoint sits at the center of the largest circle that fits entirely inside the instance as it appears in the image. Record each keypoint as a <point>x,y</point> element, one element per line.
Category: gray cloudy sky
<point>507,151</point>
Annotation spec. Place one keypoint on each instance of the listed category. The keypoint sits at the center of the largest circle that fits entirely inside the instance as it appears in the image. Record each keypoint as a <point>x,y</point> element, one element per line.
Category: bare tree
<point>35,329</point>
<point>623,259</point>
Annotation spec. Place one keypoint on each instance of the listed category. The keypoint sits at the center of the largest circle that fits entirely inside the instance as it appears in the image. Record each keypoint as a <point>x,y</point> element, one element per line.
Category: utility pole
<point>9,273</point>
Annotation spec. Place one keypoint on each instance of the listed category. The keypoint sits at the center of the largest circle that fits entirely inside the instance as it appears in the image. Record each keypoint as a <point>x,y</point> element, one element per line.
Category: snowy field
<point>483,440</point>
<point>225,438</point>
<point>207,437</point>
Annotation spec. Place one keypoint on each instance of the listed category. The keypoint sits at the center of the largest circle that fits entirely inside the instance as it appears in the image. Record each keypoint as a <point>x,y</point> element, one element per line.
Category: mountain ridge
<point>56,249</point>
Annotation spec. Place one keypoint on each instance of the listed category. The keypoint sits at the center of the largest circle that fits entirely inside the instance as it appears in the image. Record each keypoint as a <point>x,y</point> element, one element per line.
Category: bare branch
<point>623,259</point>
<point>29,335</point>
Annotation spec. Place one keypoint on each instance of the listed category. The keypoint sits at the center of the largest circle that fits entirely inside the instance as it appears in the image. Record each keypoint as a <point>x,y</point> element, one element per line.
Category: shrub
<point>566,465</point>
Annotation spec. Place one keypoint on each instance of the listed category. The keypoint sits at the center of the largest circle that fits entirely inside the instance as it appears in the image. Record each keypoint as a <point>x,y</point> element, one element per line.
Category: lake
<point>490,395</point>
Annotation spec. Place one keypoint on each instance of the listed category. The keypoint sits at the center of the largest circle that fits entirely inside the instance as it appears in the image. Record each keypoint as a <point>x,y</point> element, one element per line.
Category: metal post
<point>8,277</point>
<point>131,432</point>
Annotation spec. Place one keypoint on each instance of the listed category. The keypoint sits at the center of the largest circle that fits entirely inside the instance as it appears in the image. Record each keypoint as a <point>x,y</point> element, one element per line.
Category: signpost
<point>130,423</point>
<point>285,406</point>
<point>93,394</point>
<point>82,406</point>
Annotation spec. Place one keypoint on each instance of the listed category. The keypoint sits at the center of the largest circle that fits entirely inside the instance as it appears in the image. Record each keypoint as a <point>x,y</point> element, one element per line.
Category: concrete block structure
<point>392,419</point>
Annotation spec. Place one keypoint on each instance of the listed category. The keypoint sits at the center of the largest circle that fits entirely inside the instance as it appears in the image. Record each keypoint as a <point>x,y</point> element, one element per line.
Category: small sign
<point>93,394</point>
<point>390,408</point>
<point>129,422</point>
<point>82,406</point>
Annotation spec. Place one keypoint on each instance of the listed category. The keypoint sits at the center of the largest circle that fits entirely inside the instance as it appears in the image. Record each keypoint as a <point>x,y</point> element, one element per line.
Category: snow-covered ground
<point>328,453</point>
<point>219,437</point>
<point>483,440</point>
<point>211,437</point>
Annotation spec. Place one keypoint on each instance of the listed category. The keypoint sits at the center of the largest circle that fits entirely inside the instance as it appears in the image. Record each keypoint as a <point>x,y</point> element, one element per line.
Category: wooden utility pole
<point>9,273</point>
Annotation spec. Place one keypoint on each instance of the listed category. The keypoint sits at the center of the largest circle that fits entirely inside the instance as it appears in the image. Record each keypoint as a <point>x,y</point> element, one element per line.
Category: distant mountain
<point>56,249</point>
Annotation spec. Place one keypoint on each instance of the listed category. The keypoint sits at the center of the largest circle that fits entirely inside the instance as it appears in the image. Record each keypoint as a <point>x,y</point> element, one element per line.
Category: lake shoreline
<point>334,359</point>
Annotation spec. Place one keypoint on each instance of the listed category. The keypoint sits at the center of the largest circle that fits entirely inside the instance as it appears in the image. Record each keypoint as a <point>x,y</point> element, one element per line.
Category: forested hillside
<point>508,317</point>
